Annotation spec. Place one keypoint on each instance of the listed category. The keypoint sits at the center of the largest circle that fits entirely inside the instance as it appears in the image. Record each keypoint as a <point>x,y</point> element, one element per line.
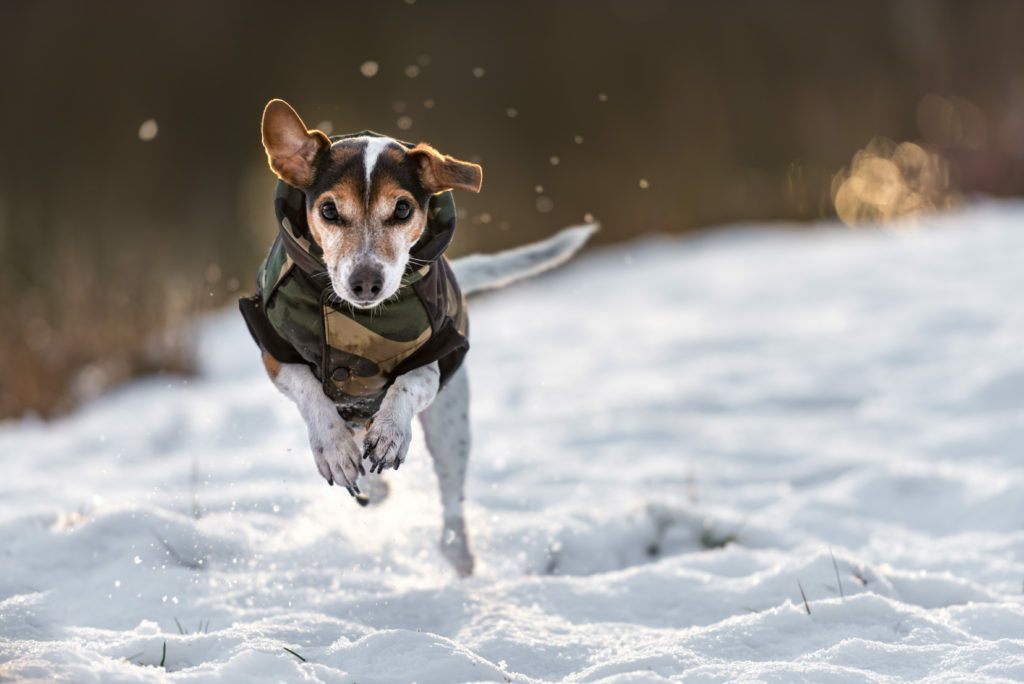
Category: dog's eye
<point>402,210</point>
<point>329,211</point>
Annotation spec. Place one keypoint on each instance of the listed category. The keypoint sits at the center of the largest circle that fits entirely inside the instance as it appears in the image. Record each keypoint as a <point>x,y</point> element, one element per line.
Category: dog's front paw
<point>337,458</point>
<point>386,444</point>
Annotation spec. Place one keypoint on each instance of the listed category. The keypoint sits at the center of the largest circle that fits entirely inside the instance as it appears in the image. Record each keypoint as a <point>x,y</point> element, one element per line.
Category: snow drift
<point>674,440</point>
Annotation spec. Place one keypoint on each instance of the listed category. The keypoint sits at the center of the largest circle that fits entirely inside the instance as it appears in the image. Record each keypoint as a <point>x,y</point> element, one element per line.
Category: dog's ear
<point>439,172</point>
<point>291,148</point>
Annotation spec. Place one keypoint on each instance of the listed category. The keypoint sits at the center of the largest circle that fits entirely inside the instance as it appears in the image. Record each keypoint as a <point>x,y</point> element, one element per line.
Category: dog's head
<point>366,198</point>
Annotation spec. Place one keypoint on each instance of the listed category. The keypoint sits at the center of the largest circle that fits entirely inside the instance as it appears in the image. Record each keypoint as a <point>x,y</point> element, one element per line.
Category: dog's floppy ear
<point>439,172</point>
<point>291,148</point>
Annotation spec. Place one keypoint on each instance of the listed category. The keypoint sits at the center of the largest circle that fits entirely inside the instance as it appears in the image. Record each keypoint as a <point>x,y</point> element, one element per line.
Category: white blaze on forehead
<point>374,146</point>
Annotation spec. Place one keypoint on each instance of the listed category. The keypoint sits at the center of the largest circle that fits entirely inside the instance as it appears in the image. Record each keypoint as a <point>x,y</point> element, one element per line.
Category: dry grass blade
<point>835,566</point>
<point>178,558</point>
<point>807,606</point>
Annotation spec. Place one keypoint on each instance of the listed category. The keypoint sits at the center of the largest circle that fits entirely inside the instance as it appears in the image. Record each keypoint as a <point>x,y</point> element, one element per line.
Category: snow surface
<point>856,396</point>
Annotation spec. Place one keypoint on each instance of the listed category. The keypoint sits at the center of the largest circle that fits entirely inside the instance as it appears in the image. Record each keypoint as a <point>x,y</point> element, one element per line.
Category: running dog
<point>360,318</point>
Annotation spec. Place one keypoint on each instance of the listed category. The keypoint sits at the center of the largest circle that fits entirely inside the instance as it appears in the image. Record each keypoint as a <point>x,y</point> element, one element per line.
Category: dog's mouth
<point>358,302</point>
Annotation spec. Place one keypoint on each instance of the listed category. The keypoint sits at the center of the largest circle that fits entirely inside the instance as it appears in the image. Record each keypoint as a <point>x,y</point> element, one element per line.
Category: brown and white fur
<point>366,203</point>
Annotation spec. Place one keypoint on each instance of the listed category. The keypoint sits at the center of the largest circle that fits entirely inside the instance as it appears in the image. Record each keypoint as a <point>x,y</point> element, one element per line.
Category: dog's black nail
<point>397,463</point>
<point>362,499</point>
<point>351,491</point>
<point>362,470</point>
<point>330,481</point>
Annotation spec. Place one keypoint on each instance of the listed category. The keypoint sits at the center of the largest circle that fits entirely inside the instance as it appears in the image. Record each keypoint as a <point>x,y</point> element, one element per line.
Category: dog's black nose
<point>366,282</point>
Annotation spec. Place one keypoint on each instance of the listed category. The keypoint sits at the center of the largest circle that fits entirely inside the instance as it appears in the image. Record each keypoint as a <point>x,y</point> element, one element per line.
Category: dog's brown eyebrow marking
<point>394,171</point>
<point>391,176</point>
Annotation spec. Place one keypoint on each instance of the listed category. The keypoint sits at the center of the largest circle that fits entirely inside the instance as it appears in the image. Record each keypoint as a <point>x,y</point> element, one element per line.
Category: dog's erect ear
<point>439,172</point>
<point>291,148</point>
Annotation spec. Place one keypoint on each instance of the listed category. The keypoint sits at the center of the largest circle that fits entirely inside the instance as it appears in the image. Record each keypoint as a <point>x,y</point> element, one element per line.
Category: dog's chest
<point>358,353</point>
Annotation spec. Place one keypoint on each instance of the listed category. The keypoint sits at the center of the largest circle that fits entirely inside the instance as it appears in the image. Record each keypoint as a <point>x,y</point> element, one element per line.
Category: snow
<point>671,439</point>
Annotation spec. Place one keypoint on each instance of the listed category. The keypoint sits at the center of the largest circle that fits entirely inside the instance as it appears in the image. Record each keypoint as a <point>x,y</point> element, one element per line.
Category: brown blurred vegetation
<point>648,115</point>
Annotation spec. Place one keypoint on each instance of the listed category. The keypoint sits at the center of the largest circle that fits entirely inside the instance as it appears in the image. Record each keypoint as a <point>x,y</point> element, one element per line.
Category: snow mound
<point>676,442</point>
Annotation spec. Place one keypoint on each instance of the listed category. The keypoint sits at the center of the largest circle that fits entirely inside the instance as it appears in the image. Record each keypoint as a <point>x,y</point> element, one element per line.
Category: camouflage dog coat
<point>356,354</point>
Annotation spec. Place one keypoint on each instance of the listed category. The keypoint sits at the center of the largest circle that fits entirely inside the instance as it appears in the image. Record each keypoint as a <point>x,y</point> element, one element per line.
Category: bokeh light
<point>888,180</point>
<point>148,130</point>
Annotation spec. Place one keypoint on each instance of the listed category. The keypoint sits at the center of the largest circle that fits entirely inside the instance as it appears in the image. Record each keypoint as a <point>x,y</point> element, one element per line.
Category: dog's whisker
<point>319,274</point>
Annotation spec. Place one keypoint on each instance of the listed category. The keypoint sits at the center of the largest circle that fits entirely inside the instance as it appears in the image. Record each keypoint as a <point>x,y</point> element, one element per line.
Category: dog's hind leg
<point>446,431</point>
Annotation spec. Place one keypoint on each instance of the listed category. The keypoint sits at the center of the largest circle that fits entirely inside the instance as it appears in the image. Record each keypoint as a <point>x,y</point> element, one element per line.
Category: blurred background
<point>134,192</point>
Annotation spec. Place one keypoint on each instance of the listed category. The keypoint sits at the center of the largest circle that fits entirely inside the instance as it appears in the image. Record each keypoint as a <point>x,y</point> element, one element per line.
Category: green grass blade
<point>294,653</point>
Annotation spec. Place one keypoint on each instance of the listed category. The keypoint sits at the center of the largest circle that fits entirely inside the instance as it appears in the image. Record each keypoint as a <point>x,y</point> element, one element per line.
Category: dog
<point>359,316</point>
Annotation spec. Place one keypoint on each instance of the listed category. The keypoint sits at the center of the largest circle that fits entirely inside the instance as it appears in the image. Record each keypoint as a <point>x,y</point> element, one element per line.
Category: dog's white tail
<point>477,272</point>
